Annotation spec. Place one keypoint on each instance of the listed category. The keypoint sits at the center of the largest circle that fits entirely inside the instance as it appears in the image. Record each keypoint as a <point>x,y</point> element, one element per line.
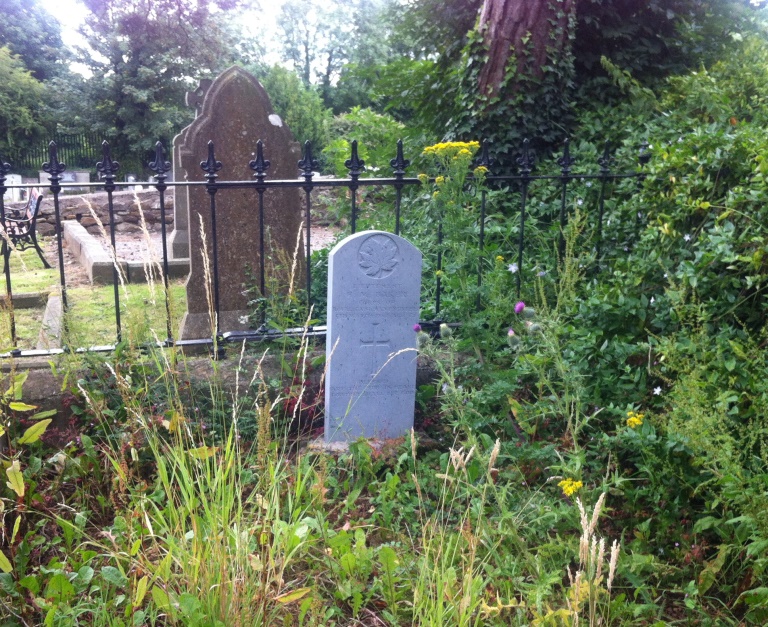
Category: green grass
<point>91,315</point>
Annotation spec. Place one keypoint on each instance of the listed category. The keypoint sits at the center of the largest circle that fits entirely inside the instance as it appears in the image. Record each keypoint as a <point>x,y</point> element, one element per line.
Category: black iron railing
<point>516,183</point>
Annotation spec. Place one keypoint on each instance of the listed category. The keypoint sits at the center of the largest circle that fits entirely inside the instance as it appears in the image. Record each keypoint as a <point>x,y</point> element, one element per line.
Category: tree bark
<point>514,27</point>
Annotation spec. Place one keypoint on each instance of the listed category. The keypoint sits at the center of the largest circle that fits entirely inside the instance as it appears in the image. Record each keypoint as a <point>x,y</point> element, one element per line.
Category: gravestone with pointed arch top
<point>235,113</point>
<point>374,281</point>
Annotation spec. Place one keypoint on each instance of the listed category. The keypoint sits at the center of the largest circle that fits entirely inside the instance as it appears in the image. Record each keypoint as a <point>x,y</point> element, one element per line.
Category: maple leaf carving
<point>378,256</point>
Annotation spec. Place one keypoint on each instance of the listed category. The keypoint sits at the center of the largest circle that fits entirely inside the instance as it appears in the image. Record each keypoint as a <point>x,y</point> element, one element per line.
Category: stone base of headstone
<point>339,447</point>
<point>195,326</point>
<point>178,244</point>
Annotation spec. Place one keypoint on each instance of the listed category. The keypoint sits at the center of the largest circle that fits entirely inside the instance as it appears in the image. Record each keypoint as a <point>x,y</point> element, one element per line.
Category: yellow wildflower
<point>480,171</point>
<point>423,178</point>
<point>570,486</point>
<point>634,419</point>
<point>439,180</point>
<point>499,258</point>
<point>435,194</point>
<point>439,273</point>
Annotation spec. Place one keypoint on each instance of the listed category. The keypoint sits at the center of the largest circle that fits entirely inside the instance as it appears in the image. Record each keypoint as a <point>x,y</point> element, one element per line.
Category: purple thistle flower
<point>417,328</point>
<point>511,333</point>
<point>519,307</point>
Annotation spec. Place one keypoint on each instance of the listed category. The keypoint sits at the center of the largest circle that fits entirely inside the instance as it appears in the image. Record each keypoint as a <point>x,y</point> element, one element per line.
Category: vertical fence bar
<point>356,166</point>
<point>605,171</point>
<point>260,165</point>
<point>306,166</point>
<point>160,166</point>
<point>565,162</point>
<point>108,169</point>
<point>54,169</point>
<point>525,161</point>
<point>483,162</point>
<point>210,166</point>
<point>399,163</point>
<point>438,282</point>
<point>5,169</point>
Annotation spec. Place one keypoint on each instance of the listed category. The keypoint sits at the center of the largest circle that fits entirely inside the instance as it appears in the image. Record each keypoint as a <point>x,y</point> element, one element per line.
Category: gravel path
<point>134,246</point>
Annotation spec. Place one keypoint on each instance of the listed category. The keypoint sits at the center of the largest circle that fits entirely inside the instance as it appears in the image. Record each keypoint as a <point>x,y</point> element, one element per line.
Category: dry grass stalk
<point>112,251</point>
<point>151,262</point>
<point>207,278</point>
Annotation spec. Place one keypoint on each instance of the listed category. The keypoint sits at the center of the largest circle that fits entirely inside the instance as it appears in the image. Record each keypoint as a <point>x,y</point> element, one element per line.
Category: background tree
<point>20,96</point>
<point>300,106</point>
<point>145,55</point>
<point>29,31</point>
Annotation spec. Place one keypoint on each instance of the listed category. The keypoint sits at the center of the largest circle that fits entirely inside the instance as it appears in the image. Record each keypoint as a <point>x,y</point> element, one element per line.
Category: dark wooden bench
<point>21,226</point>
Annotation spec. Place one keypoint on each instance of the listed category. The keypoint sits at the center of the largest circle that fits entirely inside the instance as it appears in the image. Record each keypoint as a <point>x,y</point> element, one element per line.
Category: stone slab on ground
<point>50,329</point>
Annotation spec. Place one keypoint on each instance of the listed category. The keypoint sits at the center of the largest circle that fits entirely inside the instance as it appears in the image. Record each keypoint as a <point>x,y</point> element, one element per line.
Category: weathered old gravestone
<point>374,280</point>
<point>235,114</point>
<point>178,243</point>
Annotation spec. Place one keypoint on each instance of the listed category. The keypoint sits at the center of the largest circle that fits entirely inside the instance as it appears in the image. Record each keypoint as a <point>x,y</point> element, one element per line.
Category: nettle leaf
<point>15,478</point>
<point>34,432</point>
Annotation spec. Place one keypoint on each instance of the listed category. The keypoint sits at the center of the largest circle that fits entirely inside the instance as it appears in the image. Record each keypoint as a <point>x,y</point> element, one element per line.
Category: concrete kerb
<point>98,264</point>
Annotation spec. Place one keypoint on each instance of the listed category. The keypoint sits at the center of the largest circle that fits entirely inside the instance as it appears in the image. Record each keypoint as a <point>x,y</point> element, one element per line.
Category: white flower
<point>653,300</point>
<point>589,183</point>
<point>687,237</point>
<point>579,202</point>
<point>657,391</point>
<point>512,267</point>
<point>243,319</point>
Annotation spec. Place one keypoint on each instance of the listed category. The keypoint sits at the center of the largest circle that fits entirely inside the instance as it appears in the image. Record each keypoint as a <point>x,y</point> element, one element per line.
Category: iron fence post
<point>306,166</point>
<point>160,166</point>
<point>108,169</point>
<point>260,165</point>
<point>210,166</point>
<point>54,169</point>
<point>399,163</point>
<point>5,169</point>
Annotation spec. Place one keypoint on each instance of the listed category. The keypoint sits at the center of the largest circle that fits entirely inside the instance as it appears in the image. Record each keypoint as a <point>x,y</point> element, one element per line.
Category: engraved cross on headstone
<point>375,343</point>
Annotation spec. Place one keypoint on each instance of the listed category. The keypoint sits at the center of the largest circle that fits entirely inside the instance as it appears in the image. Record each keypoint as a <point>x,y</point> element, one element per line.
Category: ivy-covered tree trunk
<point>528,32</point>
<point>518,74</point>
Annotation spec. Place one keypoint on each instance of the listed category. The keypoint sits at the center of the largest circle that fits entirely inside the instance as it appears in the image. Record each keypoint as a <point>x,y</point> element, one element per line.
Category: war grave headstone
<point>235,114</point>
<point>374,282</point>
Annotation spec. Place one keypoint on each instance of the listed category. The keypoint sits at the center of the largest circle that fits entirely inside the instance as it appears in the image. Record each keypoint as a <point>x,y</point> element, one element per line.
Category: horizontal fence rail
<point>518,183</point>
